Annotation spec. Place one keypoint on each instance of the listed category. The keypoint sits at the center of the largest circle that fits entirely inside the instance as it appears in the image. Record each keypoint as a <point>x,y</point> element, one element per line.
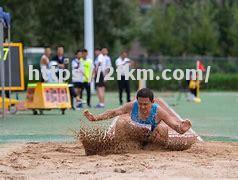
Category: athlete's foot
<point>184,126</point>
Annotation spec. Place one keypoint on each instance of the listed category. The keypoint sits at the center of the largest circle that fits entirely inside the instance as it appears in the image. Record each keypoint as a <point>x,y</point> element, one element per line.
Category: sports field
<point>213,119</point>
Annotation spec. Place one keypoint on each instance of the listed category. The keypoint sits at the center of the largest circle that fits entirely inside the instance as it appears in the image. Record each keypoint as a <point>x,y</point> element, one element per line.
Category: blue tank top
<point>151,118</point>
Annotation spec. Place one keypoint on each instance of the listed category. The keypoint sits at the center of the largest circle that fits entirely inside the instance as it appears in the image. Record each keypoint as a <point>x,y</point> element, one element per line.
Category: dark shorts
<point>78,85</point>
<point>101,82</point>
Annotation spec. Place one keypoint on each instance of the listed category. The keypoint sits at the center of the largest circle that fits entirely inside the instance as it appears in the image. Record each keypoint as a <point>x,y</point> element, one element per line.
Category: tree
<point>183,28</point>
<point>203,34</point>
<point>158,32</point>
<point>232,32</point>
<point>115,22</point>
<point>61,22</point>
<point>24,20</point>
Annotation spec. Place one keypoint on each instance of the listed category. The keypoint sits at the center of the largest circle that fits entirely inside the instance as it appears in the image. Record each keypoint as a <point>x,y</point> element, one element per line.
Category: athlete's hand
<point>185,126</point>
<point>89,115</point>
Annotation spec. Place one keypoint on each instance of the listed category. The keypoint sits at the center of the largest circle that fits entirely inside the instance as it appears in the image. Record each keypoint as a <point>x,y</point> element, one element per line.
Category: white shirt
<point>44,61</point>
<point>121,64</point>
<point>104,62</point>
<point>108,61</point>
<point>45,69</point>
<point>77,70</point>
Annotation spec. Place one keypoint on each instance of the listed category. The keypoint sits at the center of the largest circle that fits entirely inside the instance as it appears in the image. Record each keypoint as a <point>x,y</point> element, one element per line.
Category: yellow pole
<point>142,84</point>
<point>198,89</point>
<point>197,99</point>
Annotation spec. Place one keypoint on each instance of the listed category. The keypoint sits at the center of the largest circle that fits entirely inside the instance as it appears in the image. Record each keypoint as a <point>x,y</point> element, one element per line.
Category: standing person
<point>193,86</point>
<point>122,63</point>
<point>97,52</point>
<point>107,59</point>
<point>44,63</point>
<point>77,77</point>
<point>88,69</point>
<point>102,65</point>
<point>60,58</point>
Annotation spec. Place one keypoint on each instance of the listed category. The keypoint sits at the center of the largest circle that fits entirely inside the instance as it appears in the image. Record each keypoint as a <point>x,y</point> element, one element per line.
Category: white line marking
<point>207,74</point>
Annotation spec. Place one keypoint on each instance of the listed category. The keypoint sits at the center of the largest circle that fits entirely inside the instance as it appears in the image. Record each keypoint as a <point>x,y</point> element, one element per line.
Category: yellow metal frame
<point>8,102</point>
<point>19,45</point>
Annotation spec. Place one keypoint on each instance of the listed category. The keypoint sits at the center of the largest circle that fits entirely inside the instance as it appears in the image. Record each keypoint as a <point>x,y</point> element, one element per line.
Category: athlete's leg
<point>124,128</point>
<point>160,134</point>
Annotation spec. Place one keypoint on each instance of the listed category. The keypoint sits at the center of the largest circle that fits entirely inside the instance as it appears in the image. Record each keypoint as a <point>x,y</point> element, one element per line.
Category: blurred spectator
<point>121,64</point>
<point>59,57</point>
<point>108,61</point>
<point>102,65</point>
<point>77,76</point>
<point>88,69</point>
<point>44,63</point>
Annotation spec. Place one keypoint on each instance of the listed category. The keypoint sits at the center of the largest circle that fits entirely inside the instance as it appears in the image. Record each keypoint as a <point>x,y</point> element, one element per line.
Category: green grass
<point>214,119</point>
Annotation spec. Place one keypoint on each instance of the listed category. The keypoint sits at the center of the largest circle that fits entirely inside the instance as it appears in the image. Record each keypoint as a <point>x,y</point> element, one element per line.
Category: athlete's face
<point>144,105</point>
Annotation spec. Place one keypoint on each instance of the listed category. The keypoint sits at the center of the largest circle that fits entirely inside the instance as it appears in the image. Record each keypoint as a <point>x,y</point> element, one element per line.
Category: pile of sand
<point>96,140</point>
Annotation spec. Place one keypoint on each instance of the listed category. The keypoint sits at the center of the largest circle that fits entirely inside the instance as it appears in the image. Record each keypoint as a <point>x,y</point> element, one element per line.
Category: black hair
<point>97,49</point>
<point>145,93</point>
<point>59,46</point>
<point>79,50</point>
<point>46,47</point>
<point>123,51</point>
<point>85,50</point>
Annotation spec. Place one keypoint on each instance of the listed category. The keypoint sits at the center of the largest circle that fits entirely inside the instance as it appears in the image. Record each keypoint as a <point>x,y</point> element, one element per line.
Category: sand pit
<point>207,160</point>
<point>118,155</point>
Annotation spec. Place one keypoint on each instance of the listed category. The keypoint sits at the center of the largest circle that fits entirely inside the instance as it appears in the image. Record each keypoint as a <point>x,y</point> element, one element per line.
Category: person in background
<point>97,52</point>
<point>193,86</point>
<point>44,63</point>
<point>107,59</point>
<point>60,59</point>
<point>77,77</point>
<point>102,65</point>
<point>122,63</point>
<point>88,72</point>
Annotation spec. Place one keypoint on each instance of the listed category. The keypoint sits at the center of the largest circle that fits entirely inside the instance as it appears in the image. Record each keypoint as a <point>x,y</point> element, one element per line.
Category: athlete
<point>147,115</point>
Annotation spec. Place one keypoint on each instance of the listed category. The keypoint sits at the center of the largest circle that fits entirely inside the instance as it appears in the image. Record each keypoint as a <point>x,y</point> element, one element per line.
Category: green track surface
<point>215,118</point>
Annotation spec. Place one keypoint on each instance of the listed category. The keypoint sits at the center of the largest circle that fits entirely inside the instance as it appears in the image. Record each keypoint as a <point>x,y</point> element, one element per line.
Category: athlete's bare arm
<point>110,113</point>
<point>179,126</point>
